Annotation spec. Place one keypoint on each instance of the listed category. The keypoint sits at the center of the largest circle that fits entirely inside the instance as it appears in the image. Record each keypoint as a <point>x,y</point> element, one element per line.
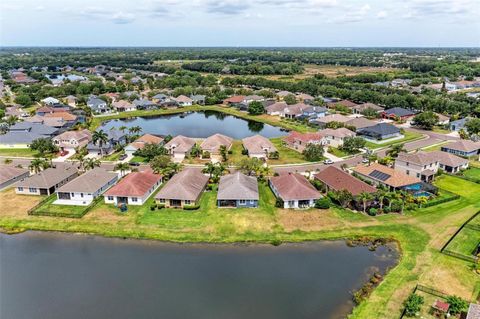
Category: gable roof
<point>399,111</point>
<point>386,175</point>
<point>293,186</point>
<point>213,142</point>
<point>135,184</point>
<point>238,186</point>
<point>360,122</point>
<point>339,180</point>
<point>186,185</point>
<point>258,144</point>
<point>449,159</point>
<point>180,143</point>
<point>463,146</point>
<point>8,173</point>
<point>89,182</point>
<point>48,177</point>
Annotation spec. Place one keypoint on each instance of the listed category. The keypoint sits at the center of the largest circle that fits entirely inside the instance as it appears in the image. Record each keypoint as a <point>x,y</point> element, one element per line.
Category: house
<point>465,148</point>
<point>70,140</point>
<point>360,122</point>
<point>294,190</point>
<point>85,188</point>
<point>450,163</point>
<point>398,113</point>
<point>198,99</point>
<point>382,175</point>
<point>180,146</point>
<point>305,98</point>
<point>282,94</point>
<point>361,108</point>
<point>123,106</point>
<point>159,98</point>
<point>322,122</point>
<point>183,100</point>
<point>341,104</point>
<point>422,165</point>
<point>133,189</point>
<point>141,142</point>
<point>67,118</point>
<point>336,137</point>
<point>234,100</point>
<point>238,190</point>
<point>440,308</point>
<point>183,189</point>
<point>114,137</point>
<point>458,125</point>
<point>253,98</point>
<point>473,311</point>
<point>313,112</point>
<point>15,110</point>
<point>293,111</point>
<point>47,181</point>
<point>338,180</point>
<point>213,143</point>
<point>276,108</point>
<point>22,134</point>
<point>10,175</point>
<point>299,141</point>
<point>258,146</point>
<point>97,105</point>
<point>380,131</point>
<point>144,104</point>
<point>443,119</point>
<point>50,101</point>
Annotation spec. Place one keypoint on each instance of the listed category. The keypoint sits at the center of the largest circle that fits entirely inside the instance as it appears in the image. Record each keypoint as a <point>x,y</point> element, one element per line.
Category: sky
<point>286,23</point>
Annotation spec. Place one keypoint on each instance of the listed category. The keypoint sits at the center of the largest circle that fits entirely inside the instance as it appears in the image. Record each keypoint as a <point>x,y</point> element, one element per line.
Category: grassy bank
<point>18,152</point>
<point>420,234</point>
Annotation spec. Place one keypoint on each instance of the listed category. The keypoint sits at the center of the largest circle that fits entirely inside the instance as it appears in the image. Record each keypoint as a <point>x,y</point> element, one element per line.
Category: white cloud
<point>122,18</point>
<point>382,14</point>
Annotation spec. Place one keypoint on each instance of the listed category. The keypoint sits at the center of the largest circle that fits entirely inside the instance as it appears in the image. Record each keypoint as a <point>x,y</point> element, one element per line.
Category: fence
<point>428,290</point>
<point>37,211</point>
<point>457,255</point>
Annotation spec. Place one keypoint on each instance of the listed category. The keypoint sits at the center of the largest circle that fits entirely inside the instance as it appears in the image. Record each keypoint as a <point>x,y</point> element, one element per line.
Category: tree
<point>38,164</point>
<point>196,151</point>
<point>223,152</point>
<point>209,169</point>
<point>473,126</point>
<point>322,203</point>
<point>150,150</point>
<point>91,163</point>
<point>100,138</point>
<point>290,99</point>
<point>457,305</point>
<point>135,130</point>
<point>43,146</point>
<point>23,99</point>
<point>159,163</point>
<point>256,108</point>
<point>426,120</point>
<point>365,197</point>
<point>396,149</point>
<point>123,128</point>
<point>11,120</point>
<point>413,305</point>
<point>81,153</point>
<point>343,197</point>
<point>381,197</point>
<point>353,144</point>
<point>313,152</point>
<point>122,167</point>
<point>250,166</point>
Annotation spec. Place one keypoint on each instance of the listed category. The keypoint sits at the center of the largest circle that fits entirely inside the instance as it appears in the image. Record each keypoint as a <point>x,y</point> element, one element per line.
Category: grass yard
<point>138,159</point>
<point>466,241</point>
<point>48,208</point>
<point>18,152</point>
<point>472,172</point>
<point>408,137</point>
<point>115,156</point>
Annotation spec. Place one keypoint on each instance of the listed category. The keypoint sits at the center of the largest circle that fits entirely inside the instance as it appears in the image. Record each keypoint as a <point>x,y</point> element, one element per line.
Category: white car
<point>327,161</point>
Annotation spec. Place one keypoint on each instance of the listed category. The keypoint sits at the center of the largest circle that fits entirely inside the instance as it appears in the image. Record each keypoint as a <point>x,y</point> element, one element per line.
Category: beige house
<point>335,137</point>
<point>213,143</point>
<point>180,146</point>
<point>47,181</point>
<point>70,140</point>
<point>258,146</point>
<point>421,165</point>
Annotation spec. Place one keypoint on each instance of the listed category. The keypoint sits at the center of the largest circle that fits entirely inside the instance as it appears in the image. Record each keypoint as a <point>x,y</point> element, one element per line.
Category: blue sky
<point>240,23</point>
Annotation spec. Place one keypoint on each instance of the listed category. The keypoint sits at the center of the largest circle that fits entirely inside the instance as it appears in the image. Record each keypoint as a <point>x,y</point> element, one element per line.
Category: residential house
<point>70,140</point>
<point>282,94</point>
<point>47,181</point>
<point>422,165</point>
<point>97,105</point>
<point>50,101</point>
<point>183,100</point>
<point>123,106</point>
<point>234,100</point>
<point>183,189</point>
<point>198,99</point>
<point>22,134</point>
<point>360,123</point>
<point>313,112</point>
<point>253,98</point>
<point>398,113</point>
<point>380,131</point>
<point>141,142</point>
<point>338,180</point>
<point>293,111</point>
<point>465,148</point>
<point>85,188</point>
<point>450,163</point>
<point>114,137</point>
<point>393,179</point>
<point>336,137</point>
<point>258,146</point>
<point>159,98</point>
<point>341,104</point>
<point>144,104</point>
<point>458,125</point>
<point>361,108</point>
<point>15,110</point>
<point>71,101</point>
<point>305,98</point>
<point>133,189</point>
<point>276,108</point>
<point>238,190</point>
<point>213,143</point>
<point>11,174</point>
<point>443,119</point>
<point>294,190</point>
<point>180,146</point>
<point>299,141</point>
<point>322,122</point>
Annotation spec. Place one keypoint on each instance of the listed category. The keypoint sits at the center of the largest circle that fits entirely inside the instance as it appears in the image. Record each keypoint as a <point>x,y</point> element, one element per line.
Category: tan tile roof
<point>135,184</point>
<point>364,106</point>
<point>339,180</point>
<point>395,179</point>
<point>64,115</point>
<point>305,138</point>
<point>333,118</point>
<point>339,132</point>
<point>276,107</point>
<point>293,186</point>
<point>234,99</point>
<point>420,158</point>
<point>360,122</point>
<point>345,103</point>
<point>213,143</point>
<point>186,185</point>
<point>89,182</point>
<point>258,144</point>
<point>149,138</point>
<point>183,99</point>
<point>181,144</point>
<point>449,159</point>
<point>122,104</point>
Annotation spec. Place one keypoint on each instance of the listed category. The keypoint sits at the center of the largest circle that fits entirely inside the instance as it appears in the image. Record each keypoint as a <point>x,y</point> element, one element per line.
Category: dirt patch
<point>12,204</point>
<point>292,220</point>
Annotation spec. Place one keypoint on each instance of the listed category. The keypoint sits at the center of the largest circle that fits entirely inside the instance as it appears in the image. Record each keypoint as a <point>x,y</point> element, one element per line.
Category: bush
<point>457,305</point>
<point>413,304</point>
<point>160,206</point>
<point>191,207</point>
<point>279,203</point>
<point>153,207</point>
<point>372,211</point>
<point>386,209</point>
<point>323,203</point>
<point>244,152</point>
<point>206,154</point>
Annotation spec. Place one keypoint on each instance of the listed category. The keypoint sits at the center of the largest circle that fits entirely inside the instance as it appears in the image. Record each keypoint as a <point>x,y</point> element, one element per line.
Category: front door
<point>175,202</point>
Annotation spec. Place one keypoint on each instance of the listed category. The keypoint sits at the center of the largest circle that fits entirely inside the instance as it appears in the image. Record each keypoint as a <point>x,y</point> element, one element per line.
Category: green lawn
<point>48,208</point>
<point>115,156</point>
<point>408,137</point>
<point>338,152</point>
<point>472,172</point>
<point>138,159</point>
<point>466,241</point>
<point>18,152</point>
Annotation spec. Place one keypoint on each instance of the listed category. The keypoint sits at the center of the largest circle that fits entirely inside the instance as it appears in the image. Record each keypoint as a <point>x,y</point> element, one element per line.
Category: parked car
<point>134,164</point>
<point>365,161</point>
<point>63,153</point>
<point>327,161</point>
<point>122,157</point>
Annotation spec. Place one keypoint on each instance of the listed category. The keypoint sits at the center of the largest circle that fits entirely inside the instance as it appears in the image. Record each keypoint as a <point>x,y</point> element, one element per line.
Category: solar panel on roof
<point>379,175</point>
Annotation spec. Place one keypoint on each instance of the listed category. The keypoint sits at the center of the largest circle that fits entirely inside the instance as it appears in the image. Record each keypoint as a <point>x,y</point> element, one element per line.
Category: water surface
<point>57,276</point>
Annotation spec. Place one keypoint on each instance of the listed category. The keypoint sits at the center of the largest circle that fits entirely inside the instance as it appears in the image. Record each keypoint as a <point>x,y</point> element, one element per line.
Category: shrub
<point>413,304</point>
<point>386,209</point>
<point>457,305</point>
<point>153,207</point>
<point>279,203</point>
<point>372,211</point>
<point>160,206</point>
<point>244,152</point>
<point>191,207</point>
<point>323,203</point>
<point>206,154</point>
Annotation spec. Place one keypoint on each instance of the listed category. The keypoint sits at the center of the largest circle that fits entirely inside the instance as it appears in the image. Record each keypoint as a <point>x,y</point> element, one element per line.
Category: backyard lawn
<point>18,152</point>
<point>408,137</point>
<point>48,208</point>
<point>472,172</point>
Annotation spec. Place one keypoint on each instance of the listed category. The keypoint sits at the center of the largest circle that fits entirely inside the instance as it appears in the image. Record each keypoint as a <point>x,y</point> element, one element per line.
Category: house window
<point>418,174</point>
<point>187,202</point>
<point>110,197</point>
<point>134,199</point>
<point>243,202</point>
<point>20,189</point>
<point>81,195</point>
<point>32,190</point>
<point>162,200</point>
<point>252,202</point>
<point>291,203</point>
<point>72,194</point>
<point>408,172</point>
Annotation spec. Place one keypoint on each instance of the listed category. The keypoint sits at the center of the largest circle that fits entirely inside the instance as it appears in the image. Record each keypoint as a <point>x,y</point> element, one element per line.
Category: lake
<point>198,124</point>
<point>57,276</point>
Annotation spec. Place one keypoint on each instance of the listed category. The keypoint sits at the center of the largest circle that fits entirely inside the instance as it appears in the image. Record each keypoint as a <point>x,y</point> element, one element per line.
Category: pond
<point>198,124</point>
<point>50,275</point>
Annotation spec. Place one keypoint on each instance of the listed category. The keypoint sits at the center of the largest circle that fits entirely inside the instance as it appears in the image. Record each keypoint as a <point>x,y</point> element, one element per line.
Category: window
<point>408,172</point>
<point>252,202</point>
<point>32,190</point>
<point>20,189</point>
<point>110,197</point>
<point>134,199</point>
<point>81,195</point>
<point>72,194</point>
<point>418,174</point>
<point>162,200</point>
<point>187,202</point>
<point>243,202</point>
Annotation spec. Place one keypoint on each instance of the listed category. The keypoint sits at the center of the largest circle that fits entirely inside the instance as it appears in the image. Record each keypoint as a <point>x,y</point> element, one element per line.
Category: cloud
<point>99,13</point>
<point>353,15</point>
<point>123,18</point>
<point>228,7</point>
<point>382,14</point>
<point>449,8</point>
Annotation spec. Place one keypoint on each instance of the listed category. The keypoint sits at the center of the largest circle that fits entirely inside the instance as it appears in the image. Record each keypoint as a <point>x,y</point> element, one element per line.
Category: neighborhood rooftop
<point>186,185</point>
<point>134,184</point>
<point>238,186</point>
<point>339,180</point>
<point>89,182</point>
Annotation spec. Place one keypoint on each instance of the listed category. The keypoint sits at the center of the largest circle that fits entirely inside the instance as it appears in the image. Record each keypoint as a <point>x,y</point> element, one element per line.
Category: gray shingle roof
<point>49,177</point>
<point>89,182</point>
<point>380,129</point>
<point>399,111</point>
<point>186,185</point>
<point>238,186</point>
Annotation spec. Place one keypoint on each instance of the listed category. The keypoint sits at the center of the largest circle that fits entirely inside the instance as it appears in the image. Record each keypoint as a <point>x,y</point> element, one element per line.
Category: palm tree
<point>91,163</point>
<point>396,149</point>
<point>365,197</point>
<point>381,197</point>
<point>11,120</point>
<point>209,169</point>
<point>101,138</point>
<point>135,129</point>
<point>81,152</point>
<point>223,152</point>
<point>123,128</point>
<point>122,167</point>
<point>196,151</point>
<point>38,164</point>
